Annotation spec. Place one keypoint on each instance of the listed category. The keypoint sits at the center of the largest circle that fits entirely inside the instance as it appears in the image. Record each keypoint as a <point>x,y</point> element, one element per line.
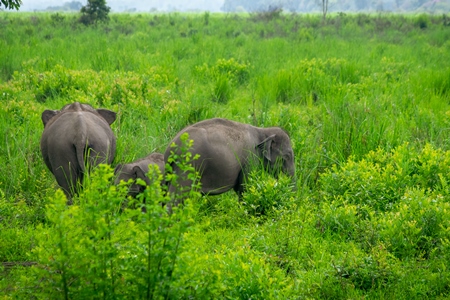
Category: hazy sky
<point>193,5</point>
<point>140,5</point>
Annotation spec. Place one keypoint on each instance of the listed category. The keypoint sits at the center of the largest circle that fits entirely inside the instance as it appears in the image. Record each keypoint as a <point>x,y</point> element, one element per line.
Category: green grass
<point>364,98</point>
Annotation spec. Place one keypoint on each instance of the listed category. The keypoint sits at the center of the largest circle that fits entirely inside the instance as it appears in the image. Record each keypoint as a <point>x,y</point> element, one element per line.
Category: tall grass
<point>364,98</point>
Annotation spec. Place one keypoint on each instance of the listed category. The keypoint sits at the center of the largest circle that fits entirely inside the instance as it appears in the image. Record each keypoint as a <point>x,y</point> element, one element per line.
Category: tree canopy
<point>10,4</point>
<point>94,11</point>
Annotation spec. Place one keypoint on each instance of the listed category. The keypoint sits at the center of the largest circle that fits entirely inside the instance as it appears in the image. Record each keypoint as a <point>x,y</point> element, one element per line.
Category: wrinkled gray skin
<point>72,136</point>
<point>138,169</point>
<point>228,149</point>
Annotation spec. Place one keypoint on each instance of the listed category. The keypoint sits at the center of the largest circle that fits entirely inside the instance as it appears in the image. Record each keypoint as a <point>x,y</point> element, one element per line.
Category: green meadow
<point>364,98</point>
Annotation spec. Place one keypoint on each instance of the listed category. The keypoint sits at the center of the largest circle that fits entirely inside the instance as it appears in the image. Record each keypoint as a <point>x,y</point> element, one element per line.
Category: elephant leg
<point>239,186</point>
<point>68,180</point>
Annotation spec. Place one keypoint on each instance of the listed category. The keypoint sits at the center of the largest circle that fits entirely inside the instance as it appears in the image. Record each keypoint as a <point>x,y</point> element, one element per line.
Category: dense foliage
<point>10,4</point>
<point>365,99</point>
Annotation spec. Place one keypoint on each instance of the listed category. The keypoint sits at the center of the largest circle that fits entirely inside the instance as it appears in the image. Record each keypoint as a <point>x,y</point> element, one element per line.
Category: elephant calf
<point>75,137</point>
<point>138,169</point>
<point>227,150</point>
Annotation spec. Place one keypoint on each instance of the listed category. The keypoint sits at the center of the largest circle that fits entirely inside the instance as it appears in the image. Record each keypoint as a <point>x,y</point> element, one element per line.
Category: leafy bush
<point>264,194</point>
<point>381,178</point>
<point>406,188</point>
<point>419,226</point>
<point>238,73</point>
<point>225,75</point>
<point>182,159</point>
<point>96,248</point>
<point>312,79</point>
<point>338,219</point>
<point>367,271</point>
<point>235,271</point>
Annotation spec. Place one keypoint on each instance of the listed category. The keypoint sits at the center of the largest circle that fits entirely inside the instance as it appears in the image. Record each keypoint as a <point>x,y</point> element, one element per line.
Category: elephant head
<point>138,169</point>
<point>276,151</point>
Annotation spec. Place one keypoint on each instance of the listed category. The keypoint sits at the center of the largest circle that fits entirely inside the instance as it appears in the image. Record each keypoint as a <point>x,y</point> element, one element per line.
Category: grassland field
<point>364,98</point>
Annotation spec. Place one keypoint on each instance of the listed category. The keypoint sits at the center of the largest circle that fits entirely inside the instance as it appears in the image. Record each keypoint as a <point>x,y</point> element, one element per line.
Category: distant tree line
<point>336,5</point>
<point>67,6</point>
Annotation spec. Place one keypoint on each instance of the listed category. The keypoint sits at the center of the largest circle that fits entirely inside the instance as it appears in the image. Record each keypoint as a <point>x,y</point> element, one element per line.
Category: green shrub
<point>233,271</point>
<point>367,271</point>
<point>264,194</point>
<point>95,248</point>
<point>338,219</point>
<point>222,90</point>
<point>89,86</point>
<point>381,178</point>
<point>418,227</point>
<point>238,73</point>
<point>225,76</point>
<point>422,21</point>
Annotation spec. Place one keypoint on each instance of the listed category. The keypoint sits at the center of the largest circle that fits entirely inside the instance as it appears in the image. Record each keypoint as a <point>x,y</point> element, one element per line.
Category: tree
<point>94,11</point>
<point>324,8</point>
<point>10,4</point>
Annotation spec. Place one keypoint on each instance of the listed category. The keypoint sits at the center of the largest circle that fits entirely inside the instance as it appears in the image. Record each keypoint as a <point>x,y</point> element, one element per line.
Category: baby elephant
<point>228,149</point>
<point>138,169</point>
<point>75,137</point>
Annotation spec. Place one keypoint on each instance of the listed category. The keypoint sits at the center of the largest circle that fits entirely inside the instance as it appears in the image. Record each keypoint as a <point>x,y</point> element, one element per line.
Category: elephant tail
<point>81,150</point>
<point>81,147</point>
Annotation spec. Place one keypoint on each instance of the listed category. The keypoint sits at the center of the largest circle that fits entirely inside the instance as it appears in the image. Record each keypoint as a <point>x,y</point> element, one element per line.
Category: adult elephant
<point>75,137</point>
<point>228,149</point>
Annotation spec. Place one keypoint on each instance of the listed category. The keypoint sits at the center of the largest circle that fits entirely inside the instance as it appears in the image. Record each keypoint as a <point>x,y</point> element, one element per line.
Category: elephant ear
<point>117,169</point>
<point>266,147</point>
<point>138,172</point>
<point>107,114</point>
<point>47,115</point>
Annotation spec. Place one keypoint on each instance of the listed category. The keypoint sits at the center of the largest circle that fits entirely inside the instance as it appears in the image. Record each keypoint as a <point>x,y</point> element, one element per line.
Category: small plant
<point>238,73</point>
<point>265,194</point>
<point>227,75</point>
<point>422,21</point>
<point>57,18</point>
<point>222,90</point>
<point>181,159</point>
<point>285,89</point>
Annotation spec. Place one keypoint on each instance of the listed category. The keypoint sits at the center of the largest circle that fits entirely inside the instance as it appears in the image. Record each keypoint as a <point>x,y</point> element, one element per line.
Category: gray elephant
<point>75,137</point>
<point>228,149</point>
<point>138,169</point>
